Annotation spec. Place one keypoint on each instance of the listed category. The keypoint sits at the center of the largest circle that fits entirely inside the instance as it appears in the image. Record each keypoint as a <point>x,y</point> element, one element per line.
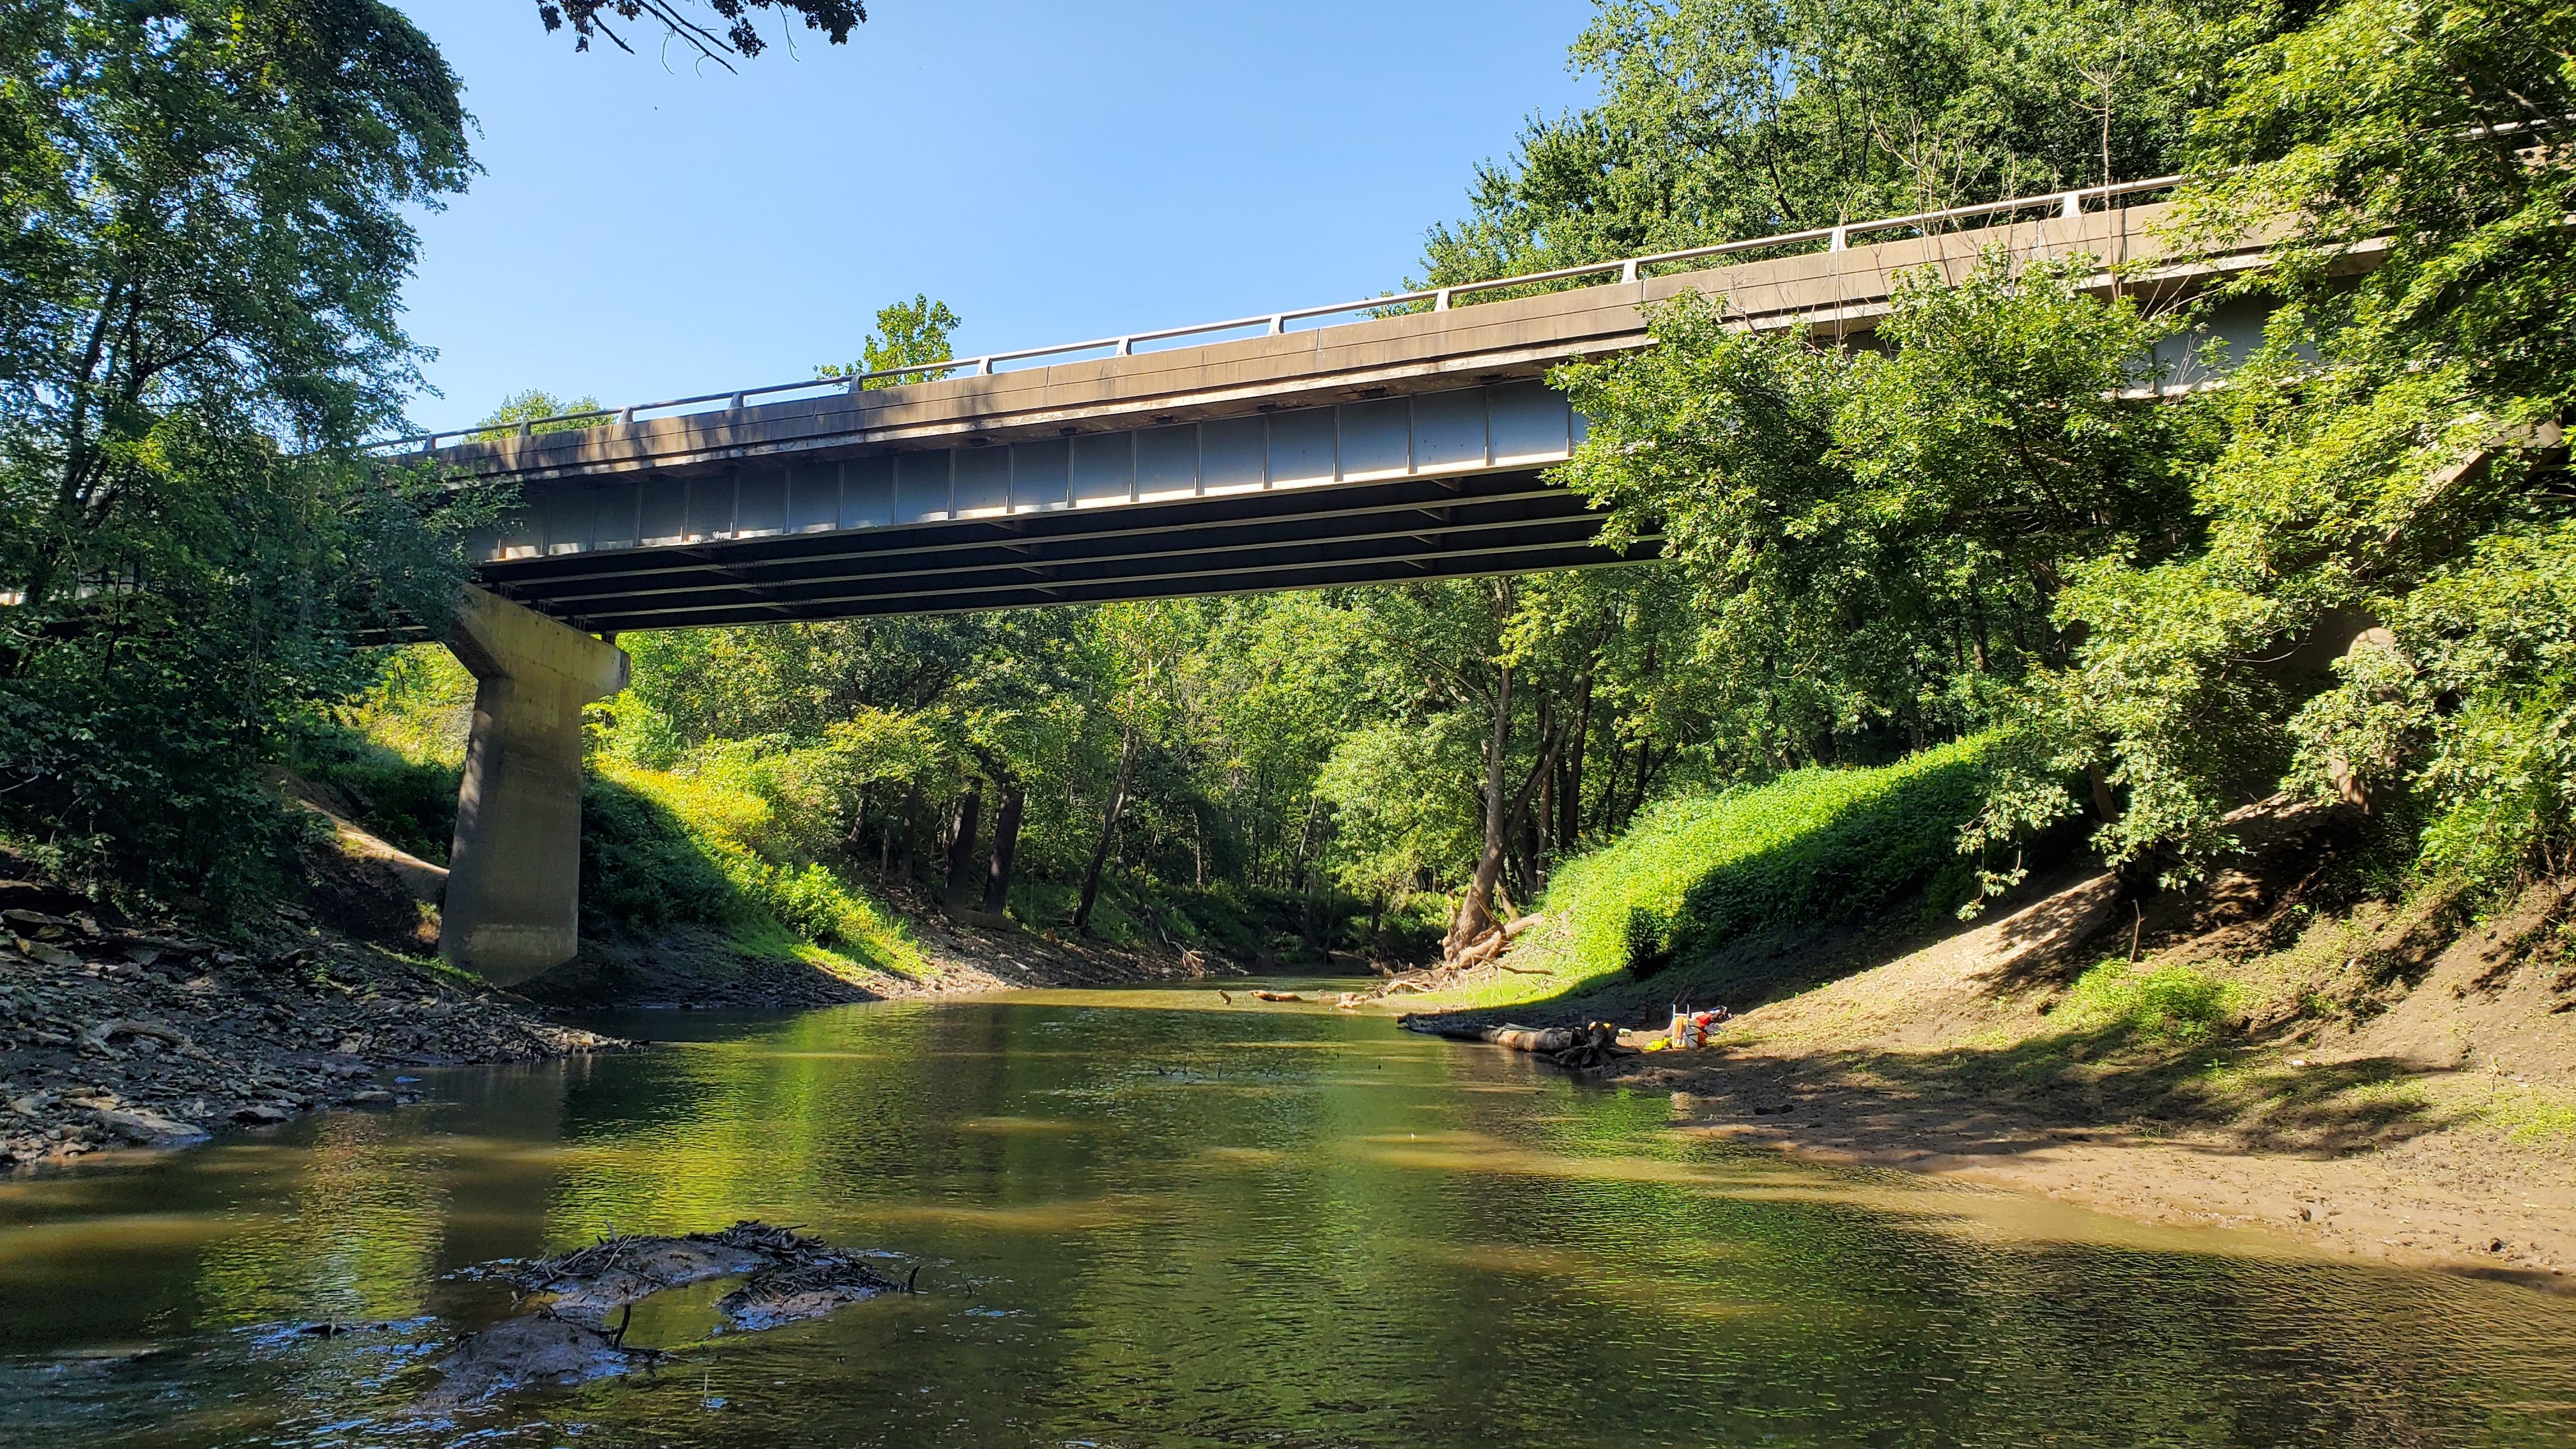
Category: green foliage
<point>1813,845</point>
<point>2378,468</point>
<point>410,803</point>
<point>662,848</point>
<point>202,238</point>
<point>542,411</point>
<point>644,868</point>
<point>2472,701</point>
<point>908,333</point>
<point>2173,1004</point>
<point>1876,540</point>
<point>1723,119</point>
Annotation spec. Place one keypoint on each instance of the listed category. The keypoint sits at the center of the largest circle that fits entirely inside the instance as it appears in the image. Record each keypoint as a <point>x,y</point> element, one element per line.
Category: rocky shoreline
<point>114,1034</point>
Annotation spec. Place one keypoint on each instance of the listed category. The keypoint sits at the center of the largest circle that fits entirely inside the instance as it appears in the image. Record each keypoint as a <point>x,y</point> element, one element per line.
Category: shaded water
<point>1150,1221</point>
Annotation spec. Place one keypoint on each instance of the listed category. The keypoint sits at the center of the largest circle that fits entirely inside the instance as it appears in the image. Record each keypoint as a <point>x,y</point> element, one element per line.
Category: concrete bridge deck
<point>1391,447</point>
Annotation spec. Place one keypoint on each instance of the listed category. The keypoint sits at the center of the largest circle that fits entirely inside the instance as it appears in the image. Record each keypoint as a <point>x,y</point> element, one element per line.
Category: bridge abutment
<point>514,871</point>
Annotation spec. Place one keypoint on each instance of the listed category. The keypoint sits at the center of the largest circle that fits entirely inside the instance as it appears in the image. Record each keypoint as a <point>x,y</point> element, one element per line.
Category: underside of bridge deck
<point>1382,532</point>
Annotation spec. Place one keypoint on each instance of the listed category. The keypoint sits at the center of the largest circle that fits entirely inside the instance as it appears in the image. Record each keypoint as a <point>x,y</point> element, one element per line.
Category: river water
<point>1147,1219</point>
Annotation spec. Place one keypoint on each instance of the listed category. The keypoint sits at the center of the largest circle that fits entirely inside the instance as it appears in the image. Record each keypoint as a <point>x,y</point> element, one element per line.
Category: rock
<point>148,1129</point>
<point>371,1097</point>
<point>260,1113</point>
<point>48,953</point>
<point>793,1294</point>
<point>531,1351</point>
<point>27,895</point>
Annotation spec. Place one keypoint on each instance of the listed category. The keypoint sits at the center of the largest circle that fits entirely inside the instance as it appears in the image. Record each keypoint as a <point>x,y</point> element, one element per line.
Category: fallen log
<point>1577,1048</point>
<point>1276,996</point>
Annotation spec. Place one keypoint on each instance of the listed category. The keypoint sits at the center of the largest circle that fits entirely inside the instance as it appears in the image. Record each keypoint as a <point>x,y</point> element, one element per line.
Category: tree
<point>2391,491</point>
<point>907,333</point>
<point>1724,119</point>
<point>1145,645</point>
<point>590,18</point>
<point>203,234</point>
<point>1876,540</point>
<point>541,411</point>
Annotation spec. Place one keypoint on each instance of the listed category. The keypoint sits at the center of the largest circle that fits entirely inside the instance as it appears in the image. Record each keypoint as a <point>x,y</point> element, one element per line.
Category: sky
<point>647,227</point>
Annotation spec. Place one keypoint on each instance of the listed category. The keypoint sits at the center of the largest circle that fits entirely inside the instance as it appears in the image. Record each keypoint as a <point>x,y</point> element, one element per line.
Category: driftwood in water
<point>1580,1048</point>
<point>1276,996</point>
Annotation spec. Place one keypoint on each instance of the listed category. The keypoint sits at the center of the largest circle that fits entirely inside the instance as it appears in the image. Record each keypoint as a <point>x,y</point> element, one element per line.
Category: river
<point>1146,1219</point>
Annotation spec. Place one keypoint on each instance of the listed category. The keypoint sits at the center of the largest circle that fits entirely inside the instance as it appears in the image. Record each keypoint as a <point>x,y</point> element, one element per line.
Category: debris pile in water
<point>568,1337</point>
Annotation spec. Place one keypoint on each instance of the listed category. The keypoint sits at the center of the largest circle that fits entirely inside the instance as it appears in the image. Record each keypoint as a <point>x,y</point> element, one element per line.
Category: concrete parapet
<point>514,872</point>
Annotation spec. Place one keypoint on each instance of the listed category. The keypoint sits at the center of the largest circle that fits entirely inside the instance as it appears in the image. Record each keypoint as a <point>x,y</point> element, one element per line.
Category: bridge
<point>1387,439</point>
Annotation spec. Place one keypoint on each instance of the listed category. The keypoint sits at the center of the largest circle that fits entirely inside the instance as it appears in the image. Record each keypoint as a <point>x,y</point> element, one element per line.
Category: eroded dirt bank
<point>2366,1078</point>
<point>700,969</point>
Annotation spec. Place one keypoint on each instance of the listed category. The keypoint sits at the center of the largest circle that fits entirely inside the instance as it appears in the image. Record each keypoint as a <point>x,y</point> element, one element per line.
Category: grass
<point>2529,1115</point>
<point>1693,873</point>
<point>661,848</point>
<point>2172,1004</point>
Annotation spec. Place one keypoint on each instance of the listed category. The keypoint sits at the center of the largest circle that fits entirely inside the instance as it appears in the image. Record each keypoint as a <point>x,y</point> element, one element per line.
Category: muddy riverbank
<point>2371,1078</point>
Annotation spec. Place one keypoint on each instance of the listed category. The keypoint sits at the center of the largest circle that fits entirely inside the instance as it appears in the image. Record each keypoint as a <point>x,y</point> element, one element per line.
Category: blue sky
<point>646,227</point>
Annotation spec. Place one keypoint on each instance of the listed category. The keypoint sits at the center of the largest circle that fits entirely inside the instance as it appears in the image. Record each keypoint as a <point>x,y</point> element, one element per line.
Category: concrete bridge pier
<point>514,871</point>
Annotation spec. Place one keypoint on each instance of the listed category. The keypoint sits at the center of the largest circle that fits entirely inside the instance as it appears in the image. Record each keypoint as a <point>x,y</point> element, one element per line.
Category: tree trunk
<point>1006,844</point>
<point>1476,912</point>
<point>1609,822</point>
<point>961,846</point>
<point>1297,863</point>
<point>905,831</point>
<point>1108,830</point>
<point>2103,800</point>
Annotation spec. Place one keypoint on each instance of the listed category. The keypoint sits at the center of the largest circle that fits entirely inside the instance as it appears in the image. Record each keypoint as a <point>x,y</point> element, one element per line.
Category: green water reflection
<point>1149,1220</point>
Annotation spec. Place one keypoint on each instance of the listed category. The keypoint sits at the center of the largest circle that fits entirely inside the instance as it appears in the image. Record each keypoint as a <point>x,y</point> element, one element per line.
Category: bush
<point>2171,1003</point>
<point>661,849</point>
<point>1810,846</point>
<point>410,803</point>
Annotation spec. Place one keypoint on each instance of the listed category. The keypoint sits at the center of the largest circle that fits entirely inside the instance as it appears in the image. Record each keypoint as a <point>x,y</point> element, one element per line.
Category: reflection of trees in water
<point>357,1238</point>
<point>1847,1319</point>
<point>1177,1226</point>
<point>1211,1235</point>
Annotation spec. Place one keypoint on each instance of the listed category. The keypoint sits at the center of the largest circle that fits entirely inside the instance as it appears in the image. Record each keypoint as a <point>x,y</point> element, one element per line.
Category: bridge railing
<point>1628,269</point>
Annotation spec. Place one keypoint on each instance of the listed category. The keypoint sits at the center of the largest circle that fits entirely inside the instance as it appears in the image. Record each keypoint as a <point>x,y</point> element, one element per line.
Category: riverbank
<point>2369,1078</point>
<point>687,968</point>
<point>125,1034</point>
<point>119,1034</point>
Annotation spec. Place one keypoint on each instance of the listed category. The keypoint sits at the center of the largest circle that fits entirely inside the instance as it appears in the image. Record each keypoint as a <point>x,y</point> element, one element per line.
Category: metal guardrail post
<point>2073,205</point>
